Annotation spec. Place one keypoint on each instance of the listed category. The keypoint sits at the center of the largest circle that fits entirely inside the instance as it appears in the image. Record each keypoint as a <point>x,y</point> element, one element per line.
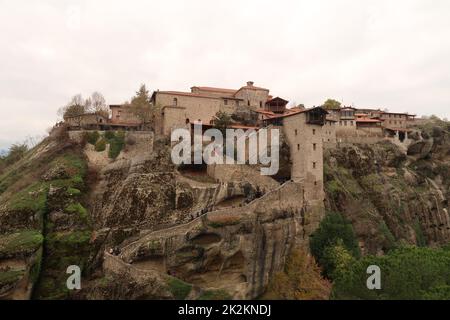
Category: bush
<point>92,137</point>
<point>300,280</point>
<point>23,242</point>
<point>178,288</point>
<point>333,230</point>
<point>215,295</point>
<point>116,145</point>
<point>408,273</point>
<point>100,146</point>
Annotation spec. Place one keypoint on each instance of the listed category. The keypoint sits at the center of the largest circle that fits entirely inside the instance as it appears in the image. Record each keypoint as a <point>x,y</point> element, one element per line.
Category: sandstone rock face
<point>233,250</point>
<point>388,197</point>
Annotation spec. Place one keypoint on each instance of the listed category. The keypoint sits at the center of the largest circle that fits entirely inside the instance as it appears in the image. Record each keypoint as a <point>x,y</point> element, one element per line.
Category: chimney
<point>250,83</point>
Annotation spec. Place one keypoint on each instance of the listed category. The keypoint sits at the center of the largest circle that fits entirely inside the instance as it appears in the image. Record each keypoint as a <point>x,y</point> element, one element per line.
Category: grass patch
<point>33,198</point>
<point>178,288</point>
<point>24,242</point>
<point>73,192</point>
<point>10,277</point>
<point>77,208</point>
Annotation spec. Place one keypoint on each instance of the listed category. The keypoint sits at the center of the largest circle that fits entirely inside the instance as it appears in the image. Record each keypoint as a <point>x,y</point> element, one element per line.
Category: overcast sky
<point>387,54</point>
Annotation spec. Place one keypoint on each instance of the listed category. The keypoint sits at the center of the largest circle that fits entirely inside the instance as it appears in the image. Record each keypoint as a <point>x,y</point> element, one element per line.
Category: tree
<point>75,107</point>
<point>300,280</point>
<point>331,104</point>
<point>140,105</point>
<point>333,230</point>
<point>16,152</point>
<point>98,104</point>
<point>222,121</point>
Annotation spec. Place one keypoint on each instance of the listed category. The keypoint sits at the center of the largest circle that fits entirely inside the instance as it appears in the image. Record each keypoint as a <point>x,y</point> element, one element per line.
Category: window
<point>260,104</point>
<point>314,165</point>
<point>248,103</point>
<point>351,123</point>
<point>314,131</point>
<point>314,146</point>
<point>225,102</point>
<point>345,123</point>
<point>175,102</point>
<point>296,132</point>
<point>298,147</point>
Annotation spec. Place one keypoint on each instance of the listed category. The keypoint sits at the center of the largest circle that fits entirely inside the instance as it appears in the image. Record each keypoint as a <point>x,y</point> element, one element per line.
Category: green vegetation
<point>27,241</point>
<point>421,241</point>
<point>331,104</point>
<point>334,230</point>
<point>10,277</point>
<point>215,295</point>
<point>408,273</point>
<point>73,192</point>
<point>92,137</point>
<point>100,146</point>
<point>77,208</point>
<point>178,288</point>
<point>116,145</point>
<point>32,198</point>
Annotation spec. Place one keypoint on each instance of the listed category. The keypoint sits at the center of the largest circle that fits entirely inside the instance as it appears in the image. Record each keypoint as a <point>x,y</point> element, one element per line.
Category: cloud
<point>391,54</point>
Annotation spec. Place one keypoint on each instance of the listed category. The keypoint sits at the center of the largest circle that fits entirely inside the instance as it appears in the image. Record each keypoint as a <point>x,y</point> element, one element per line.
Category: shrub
<point>116,145</point>
<point>301,279</point>
<point>333,230</point>
<point>408,273</point>
<point>92,137</point>
<point>100,146</point>
<point>109,135</point>
<point>178,288</point>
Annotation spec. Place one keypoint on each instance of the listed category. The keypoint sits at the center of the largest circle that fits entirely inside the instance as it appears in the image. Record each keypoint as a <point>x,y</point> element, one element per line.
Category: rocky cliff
<point>140,228</point>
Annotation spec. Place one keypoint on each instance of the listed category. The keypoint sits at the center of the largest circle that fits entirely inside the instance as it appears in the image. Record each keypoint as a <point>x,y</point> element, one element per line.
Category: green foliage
<point>100,146</point>
<point>333,230</point>
<point>35,269</point>
<point>408,273</point>
<point>92,137</point>
<point>389,238</point>
<point>10,277</point>
<point>331,104</point>
<point>77,208</point>
<point>421,240</point>
<point>15,153</point>
<point>109,135</point>
<point>27,241</point>
<point>215,295</point>
<point>32,198</point>
<point>73,192</point>
<point>117,142</point>
<point>178,288</point>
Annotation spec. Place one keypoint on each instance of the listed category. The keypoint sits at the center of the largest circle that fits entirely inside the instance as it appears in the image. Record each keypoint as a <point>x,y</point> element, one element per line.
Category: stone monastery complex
<point>308,131</point>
